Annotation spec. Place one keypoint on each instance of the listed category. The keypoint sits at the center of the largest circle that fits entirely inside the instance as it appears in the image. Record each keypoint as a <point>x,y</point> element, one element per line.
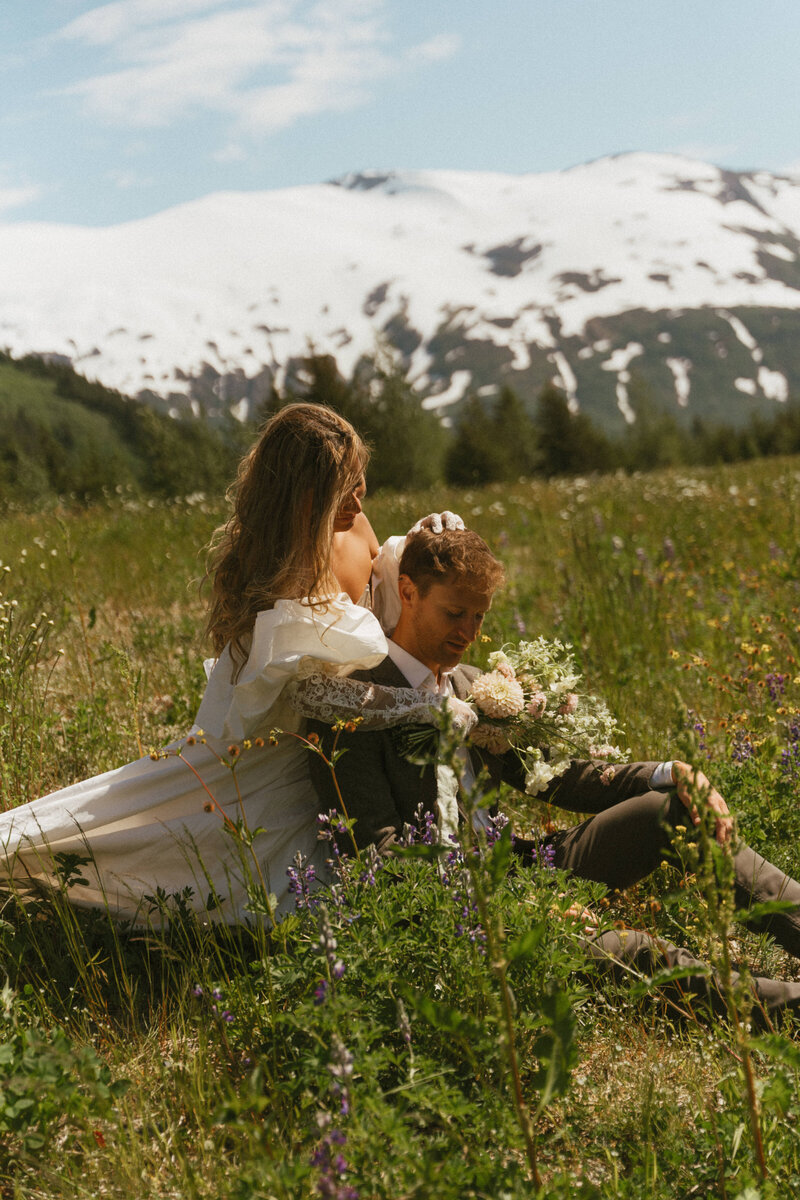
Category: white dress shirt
<point>447,783</point>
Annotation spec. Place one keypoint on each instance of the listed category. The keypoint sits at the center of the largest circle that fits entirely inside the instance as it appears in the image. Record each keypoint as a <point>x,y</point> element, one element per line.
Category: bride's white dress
<point>157,826</point>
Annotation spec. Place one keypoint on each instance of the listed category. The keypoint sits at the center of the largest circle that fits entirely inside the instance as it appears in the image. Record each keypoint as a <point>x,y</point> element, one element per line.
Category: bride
<point>228,807</point>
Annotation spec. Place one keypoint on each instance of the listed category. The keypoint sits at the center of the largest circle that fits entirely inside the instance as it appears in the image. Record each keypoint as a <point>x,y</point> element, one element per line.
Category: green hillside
<point>62,435</point>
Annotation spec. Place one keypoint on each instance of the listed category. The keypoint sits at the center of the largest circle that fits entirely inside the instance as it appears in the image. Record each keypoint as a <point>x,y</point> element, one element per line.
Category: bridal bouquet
<point>531,698</point>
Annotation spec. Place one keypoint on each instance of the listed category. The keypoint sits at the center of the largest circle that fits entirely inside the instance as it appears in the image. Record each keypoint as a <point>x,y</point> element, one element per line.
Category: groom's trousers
<point>626,953</point>
<point>625,843</point>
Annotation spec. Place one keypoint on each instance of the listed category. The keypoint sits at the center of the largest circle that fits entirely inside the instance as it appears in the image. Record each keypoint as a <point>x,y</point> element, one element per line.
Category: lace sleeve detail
<point>332,698</point>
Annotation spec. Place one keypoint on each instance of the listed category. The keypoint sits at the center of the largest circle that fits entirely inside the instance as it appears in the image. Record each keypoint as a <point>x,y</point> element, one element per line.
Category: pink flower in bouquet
<point>568,705</point>
<point>490,738</point>
<point>497,696</point>
<point>506,670</point>
<point>537,705</point>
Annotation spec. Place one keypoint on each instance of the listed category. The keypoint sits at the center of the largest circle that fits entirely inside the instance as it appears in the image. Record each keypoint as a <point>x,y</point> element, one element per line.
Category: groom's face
<point>437,627</point>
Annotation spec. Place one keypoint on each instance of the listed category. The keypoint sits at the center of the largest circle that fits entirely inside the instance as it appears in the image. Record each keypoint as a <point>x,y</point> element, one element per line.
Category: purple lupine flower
<point>544,855</point>
<point>321,992</point>
<point>372,862</point>
<point>340,1068</point>
<point>742,748</point>
<point>495,827</point>
<point>332,1165</point>
<point>403,1023</point>
<point>302,878</point>
<point>697,723</point>
<point>408,835</point>
<point>790,755</point>
<point>327,945</point>
<point>519,623</point>
<point>776,685</point>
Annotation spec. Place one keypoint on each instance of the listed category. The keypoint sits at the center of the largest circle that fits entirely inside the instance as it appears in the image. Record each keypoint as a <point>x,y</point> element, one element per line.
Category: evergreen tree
<point>568,443</point>
<point>514,435</point>
<point>408,442</point>
<point>654,439</point>
<point>474,457</point>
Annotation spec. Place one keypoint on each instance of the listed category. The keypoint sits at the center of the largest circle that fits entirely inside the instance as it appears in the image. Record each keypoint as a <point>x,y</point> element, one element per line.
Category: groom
<point>446,585</point>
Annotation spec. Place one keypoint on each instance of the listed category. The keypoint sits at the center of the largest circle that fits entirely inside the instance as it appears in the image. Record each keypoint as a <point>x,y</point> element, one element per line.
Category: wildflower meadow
<point>427,1026</point>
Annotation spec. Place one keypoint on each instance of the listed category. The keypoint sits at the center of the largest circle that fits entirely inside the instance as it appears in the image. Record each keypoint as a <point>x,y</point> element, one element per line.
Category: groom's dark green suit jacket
<point>383,789</point>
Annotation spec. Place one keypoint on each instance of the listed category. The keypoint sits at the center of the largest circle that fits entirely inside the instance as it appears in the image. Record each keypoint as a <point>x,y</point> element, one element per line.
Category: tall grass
<point>387,1045</point>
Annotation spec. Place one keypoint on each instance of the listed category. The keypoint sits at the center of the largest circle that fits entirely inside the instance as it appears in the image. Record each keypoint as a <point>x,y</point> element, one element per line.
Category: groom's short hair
<point>453,554</point>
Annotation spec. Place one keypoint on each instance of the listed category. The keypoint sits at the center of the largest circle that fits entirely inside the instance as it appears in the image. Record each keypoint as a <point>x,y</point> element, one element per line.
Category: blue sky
<point>109,112</point>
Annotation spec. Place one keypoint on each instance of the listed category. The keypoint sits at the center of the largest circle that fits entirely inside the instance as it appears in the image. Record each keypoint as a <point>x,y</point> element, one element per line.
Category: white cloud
<point>265,63</point>
<point>13,197</point>
<point>232,153</point>
<point>126,180</point>
<point>110,22</point>
<point>438,48</point>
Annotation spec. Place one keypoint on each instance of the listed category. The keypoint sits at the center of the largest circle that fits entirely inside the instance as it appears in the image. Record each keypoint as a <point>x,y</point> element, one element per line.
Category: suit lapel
<point>388,674</point>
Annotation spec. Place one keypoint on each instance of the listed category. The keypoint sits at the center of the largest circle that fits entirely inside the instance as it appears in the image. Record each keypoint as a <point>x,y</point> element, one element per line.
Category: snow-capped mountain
<point>656,265</point>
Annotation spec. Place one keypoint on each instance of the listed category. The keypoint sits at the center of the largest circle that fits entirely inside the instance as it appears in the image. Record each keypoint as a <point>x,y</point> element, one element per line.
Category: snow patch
<point>680,368</point>
<point>566,379</point>
<point>773,384</point>
<point>623,404</point>
<point>459,383</point>
<point>778,250</point>
<point>621,359</point>
<point>748,386</point>
<point>744,335</point>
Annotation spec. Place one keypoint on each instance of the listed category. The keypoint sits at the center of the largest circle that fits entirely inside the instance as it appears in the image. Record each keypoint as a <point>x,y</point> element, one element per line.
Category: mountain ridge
<point>635,269</point>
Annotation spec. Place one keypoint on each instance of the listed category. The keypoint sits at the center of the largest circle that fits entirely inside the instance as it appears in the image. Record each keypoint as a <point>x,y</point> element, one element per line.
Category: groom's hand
<point>690,783</point>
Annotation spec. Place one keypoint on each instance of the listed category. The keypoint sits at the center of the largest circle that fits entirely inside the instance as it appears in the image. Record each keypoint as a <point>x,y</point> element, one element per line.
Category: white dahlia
<point>498,696</point>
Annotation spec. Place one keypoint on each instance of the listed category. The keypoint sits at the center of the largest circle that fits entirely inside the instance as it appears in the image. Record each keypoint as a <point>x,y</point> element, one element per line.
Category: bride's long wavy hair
<point>277,542</point>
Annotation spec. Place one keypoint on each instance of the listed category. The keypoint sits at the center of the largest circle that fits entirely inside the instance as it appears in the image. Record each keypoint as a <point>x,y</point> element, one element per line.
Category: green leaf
<point>643,987</point>
<point>555,1048</point>
<point>524,946</point>
<point>756,911</point>
<point>421,850</point>
<point>498,859</point>
<point>443,1016</point>
<point>776,1047</point>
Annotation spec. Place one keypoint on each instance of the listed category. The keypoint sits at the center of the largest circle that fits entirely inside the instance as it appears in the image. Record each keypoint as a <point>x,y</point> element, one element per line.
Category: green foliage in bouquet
<point>531,700</point>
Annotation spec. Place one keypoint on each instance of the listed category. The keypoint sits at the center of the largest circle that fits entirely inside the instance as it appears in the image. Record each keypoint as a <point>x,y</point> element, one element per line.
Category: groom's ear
<point>408,591</point>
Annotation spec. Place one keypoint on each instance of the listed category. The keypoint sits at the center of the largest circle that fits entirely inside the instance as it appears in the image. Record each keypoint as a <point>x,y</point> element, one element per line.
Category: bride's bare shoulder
<point>352,555</point>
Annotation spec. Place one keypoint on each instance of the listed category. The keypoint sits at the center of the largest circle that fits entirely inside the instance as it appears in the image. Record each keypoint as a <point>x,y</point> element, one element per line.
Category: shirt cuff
<point>662,776</point>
